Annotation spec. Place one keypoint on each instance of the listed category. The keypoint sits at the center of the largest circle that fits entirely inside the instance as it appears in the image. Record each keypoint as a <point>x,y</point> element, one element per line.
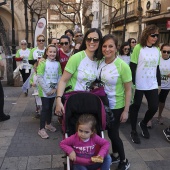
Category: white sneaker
<point>43,134</point>
<point>50,128</point>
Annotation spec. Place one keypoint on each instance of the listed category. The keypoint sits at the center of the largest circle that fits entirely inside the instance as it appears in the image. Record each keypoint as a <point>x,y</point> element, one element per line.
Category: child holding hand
<point>81,147</point>
<point>48,74</point>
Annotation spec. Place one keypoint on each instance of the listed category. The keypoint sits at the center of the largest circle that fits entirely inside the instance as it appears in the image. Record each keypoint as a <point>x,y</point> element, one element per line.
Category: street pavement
<point>22,149</point>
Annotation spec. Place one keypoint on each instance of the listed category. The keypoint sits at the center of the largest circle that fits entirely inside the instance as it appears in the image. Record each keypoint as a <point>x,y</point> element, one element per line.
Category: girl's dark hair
<point>65,36</point>
<point>70,31</point>
<point>163,45</point>
<point>45,55</point>
<point>83,45</point>
<point>87,118</point>
<point>121,52</point>
<point>105,38</point>
<point>50,40</point>
<point>129,40</point>
<point>150,29</point>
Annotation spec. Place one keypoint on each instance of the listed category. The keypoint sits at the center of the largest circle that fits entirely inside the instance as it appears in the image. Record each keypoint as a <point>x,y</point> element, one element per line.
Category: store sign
<point>168,24</point>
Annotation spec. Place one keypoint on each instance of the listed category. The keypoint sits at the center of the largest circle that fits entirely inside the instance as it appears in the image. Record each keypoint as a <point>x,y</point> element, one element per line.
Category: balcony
<point>132,14</point>
<point>106,20</point>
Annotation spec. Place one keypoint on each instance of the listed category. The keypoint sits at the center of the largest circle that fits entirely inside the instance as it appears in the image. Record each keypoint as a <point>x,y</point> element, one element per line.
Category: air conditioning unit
<point>153,5</point>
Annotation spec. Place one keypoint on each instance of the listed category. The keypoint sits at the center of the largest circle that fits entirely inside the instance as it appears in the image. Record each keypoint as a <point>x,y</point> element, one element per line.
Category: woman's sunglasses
<point>164,51</point>
<point>41,40</point>
<point>79,35</point>
<point>63,43</point>
<point>154,35</point>
<point>126,49</point>
<point>23,44</point>
<point>133,42</point>
<point>95,40</point>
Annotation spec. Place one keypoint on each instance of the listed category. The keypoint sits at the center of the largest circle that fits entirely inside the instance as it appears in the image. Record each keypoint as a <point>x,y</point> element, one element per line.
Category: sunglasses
<point>164,51</point>
<point>79,35</point>
<point>133,42</point>
<point>126,49</point>
<point>41,40</point>
<point>95,40</point>
<point>23,44</point>
<point>63,43</point>
<point>154,35</point>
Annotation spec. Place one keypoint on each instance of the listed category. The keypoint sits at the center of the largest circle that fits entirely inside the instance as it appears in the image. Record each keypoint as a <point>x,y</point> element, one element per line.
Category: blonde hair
<point>41,35</point>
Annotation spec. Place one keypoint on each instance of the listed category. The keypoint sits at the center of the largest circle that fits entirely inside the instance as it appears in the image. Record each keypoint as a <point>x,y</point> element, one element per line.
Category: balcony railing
<point>106,20</point>
<point>131,11</point>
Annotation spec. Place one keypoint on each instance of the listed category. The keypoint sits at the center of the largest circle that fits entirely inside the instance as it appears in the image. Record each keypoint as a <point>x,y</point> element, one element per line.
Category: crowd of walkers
<point>73,62</point>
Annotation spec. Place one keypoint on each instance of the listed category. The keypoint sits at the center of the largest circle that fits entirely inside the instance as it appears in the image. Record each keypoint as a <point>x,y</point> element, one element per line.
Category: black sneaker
<point>115,159</point>
<point>167,133</point>
<point>135,138</point>
<point>4,117</point>
<point>123,165</point>
<point>144,129</point>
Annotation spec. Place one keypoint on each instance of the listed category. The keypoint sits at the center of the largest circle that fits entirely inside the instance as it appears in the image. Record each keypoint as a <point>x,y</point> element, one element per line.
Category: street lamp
<point>13,35</point>
<point>124,25</point>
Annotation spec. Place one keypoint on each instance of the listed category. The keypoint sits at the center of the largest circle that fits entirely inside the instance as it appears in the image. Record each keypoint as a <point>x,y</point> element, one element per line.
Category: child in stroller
<point>81,147</point>
<point>76,107</point>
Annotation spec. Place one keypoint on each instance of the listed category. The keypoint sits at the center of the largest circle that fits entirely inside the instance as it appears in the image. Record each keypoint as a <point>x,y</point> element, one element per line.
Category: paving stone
<point>14,163</point>
<point>149,154</point>
<point>159,165</point>
<point>57,161</point>
<point>1,160</point>
<point>164,152</point>
<point>39,162</point>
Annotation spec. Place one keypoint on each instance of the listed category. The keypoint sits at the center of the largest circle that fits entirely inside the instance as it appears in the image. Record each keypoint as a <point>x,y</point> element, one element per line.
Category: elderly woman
<point>22,57</point>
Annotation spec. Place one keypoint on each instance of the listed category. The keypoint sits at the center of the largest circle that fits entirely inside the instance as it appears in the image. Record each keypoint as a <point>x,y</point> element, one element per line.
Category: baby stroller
<point>78,103</point>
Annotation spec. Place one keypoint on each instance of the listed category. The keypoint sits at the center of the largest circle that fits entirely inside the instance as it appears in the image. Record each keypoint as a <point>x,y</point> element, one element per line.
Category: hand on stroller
<point>72,156</point>
<point>59,110</point>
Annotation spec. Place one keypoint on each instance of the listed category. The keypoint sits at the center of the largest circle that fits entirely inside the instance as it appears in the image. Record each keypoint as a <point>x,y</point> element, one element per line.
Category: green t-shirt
<point>49,74</point>
<point>36,53</point>
<point>114,75</point>
<point>83,70</point>
<point>147,60</point>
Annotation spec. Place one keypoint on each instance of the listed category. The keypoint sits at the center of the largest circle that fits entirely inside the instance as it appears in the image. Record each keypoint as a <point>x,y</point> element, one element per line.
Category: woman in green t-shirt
<point>116,76</point>
<point>81,68</point>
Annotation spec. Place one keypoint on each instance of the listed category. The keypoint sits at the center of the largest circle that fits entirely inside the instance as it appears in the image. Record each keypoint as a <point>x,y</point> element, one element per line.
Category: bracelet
<point>58,97</point>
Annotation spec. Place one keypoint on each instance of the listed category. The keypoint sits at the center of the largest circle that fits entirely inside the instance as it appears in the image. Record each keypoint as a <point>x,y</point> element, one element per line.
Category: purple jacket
<point>85,150</point>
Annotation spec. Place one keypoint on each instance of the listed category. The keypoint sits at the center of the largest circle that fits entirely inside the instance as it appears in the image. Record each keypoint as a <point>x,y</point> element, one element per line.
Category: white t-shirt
<point>125,58</point>
<point>83,70</point>
<point>114,75</point>
<point>165,70</point>
<point>147,60</point>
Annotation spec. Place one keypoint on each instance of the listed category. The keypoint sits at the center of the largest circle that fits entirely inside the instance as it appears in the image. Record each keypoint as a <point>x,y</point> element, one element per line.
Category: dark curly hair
<point>121,52</point>
<point>150,29</point>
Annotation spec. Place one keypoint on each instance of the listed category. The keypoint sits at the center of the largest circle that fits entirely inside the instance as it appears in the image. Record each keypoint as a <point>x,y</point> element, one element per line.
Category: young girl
<point>80,147</point>
<point>48,74</point>
<point>34,84</point>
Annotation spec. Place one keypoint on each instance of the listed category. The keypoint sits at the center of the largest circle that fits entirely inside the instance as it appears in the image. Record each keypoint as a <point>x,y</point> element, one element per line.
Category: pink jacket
<point>85,150</point>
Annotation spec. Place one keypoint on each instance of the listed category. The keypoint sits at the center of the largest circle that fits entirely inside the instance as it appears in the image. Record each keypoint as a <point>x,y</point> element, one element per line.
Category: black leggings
<point>163,95</point>
<point>46,112</point>
<point>1,100</point>
<point>152,99</point>
<point>113,133</point>
<point>24,74</point>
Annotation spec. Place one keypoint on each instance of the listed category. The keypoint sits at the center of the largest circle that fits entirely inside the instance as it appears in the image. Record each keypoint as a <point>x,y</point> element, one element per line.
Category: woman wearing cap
<point>22,57</point>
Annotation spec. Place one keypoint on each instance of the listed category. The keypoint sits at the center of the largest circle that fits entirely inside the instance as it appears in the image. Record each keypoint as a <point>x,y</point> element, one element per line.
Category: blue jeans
<point>103,166</point>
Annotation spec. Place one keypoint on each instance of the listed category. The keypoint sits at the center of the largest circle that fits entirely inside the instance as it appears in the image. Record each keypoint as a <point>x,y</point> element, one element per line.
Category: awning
<point>159,17</point>
<point>119,28</point>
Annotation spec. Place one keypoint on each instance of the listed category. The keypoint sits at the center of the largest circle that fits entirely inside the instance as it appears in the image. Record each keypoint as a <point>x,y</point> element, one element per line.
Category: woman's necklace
<point>105,66</point>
